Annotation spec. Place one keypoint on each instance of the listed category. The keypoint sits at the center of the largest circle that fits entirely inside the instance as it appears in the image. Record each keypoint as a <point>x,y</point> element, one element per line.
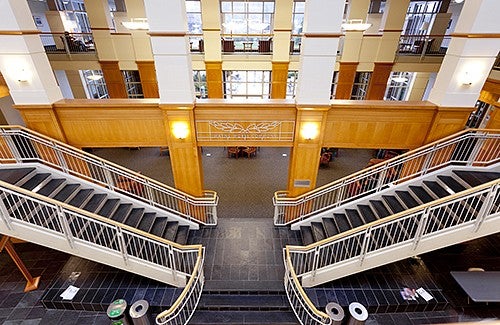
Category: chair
<point>250,151</point>
<point>265,45</point>
<point>227,45</point>
<point>233,151</point>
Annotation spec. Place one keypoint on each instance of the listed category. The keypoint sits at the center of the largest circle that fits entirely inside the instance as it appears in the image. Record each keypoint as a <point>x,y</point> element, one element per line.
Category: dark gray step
<point>380,208</point>
<point>437,189</point>
<point>121,213</point>
<point>147,221</point>
<point>307,236</point>
<point>242,302</point>
<point>35,181</point>
<point>134,217</point>
<point>342,222</point>
<point>182,235</point>
<point>355,218</point>
<point>476,178</point>
<point>330,227</point>
<point>421,193</point>
<point>159,225</point>
<point>407,199</point>
<point>108,208</point>
<point>452,183</point>
<point>211,317</point>
<point>367,213</point>
<point>52,187</point>
<point>393,203</point>
<point>171,230</point>
<point>81,197</point>
<point>95,202</point>
<point>67,192</point>
<point>318,231</point>
<point>14,175</point>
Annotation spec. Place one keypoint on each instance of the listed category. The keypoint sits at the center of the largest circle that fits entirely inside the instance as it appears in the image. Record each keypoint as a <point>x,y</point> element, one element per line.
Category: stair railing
<point>407,229</point>
<point>30,216</point>
<point>21,145</point>
<point>469,147</point>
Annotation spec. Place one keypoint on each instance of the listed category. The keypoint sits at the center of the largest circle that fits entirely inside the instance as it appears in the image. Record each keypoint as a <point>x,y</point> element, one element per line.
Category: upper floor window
<point>360,85</point>
<point>200,83</point>
<point>333,88</point>
<point>420,17</point>
<point>398,87</point>
<point>193,11</point>
<point>247,17</point>
<point>291,83</point>
<point>247,84</point>
<point>75,16</point>
<point>133,83</point>
<point>95,86</point>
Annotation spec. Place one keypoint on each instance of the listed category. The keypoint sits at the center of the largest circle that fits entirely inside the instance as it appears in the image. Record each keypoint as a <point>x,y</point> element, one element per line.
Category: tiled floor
<point>244,251</point>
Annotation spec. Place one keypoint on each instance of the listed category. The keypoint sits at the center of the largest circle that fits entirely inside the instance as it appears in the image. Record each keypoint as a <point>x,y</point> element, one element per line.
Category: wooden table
<point>479,286</point>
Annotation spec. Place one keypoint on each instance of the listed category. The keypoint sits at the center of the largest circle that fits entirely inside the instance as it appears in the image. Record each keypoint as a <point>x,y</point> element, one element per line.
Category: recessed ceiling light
<point>284,155</point>
<point>209,154</point>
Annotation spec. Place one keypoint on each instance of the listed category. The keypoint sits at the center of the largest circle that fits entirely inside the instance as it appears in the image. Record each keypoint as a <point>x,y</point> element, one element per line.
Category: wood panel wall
<point>114,79</point>
<point>214,79</point>
<point>147,72</point>
<point>448,120</point>
<point>279,77</point>
<point>347,74</point>
<point>43,119</point>
<point>378,80</point>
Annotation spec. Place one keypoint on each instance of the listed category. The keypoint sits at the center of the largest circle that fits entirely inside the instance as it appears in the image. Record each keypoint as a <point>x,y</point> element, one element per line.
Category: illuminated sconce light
<point>309,130</point>
<point>467,78</point>
<point>136,24</point>
<point>23,75</point>
<point>355,25</point>
<point>180,130</point>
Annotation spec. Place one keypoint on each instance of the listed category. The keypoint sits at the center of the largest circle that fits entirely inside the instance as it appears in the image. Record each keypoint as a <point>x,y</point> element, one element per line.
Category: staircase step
<point>380,208</point>
<point>95,202</point>
<point>182,235</point>
<point>108,208</point>
<point>67,192</point>
<point>236,301</point>
<point>81,197</point>
<point>204,317</point>
<point>437,189</point>
<point>354,217</point>
<point>342,222</point>
<point>52,187</point>
<point>121,213</point>
<point>134,217</point>
<point>476,178</point>
<point>147,221</point>
<point>318,231</point>
<point>307,236</point>
<point>171,230</point>
<point>393,203</point>
<point>15,175</point>
<point>407,199</point>
<point>452,183</point>
<point>159,225</point>
<point>330,227</point>
<point>367,213</point>
<point>421,193</point>
<point>36,181</point>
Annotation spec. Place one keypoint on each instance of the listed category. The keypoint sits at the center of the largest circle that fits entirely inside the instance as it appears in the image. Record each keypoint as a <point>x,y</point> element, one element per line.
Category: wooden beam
<point>32,283</point>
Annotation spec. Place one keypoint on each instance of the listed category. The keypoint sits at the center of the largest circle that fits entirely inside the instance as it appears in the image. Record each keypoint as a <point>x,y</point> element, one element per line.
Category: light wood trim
<point>476,35</point>
<point>282,30</point>
<point>378,80</point>
<point>323,35</point>
<point>211,29</point>
<point>20,32</point>
<point>31,283</point>
<point>102,28</point>
<point>390,30</point>
<point>167,34</point>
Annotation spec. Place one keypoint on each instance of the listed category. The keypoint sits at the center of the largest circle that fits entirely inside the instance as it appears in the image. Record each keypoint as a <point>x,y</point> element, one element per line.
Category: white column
<point>469,57</point>
<point>322,20</point>
<point>168,28</point>
<point>22,57</point>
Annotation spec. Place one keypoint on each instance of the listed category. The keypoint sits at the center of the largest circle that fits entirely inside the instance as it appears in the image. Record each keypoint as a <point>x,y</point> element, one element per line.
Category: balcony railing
<point>423,45</point>
<point>246,44</point>
<point>68,43</point>
<point>295,44</point>
<point>196,43</point>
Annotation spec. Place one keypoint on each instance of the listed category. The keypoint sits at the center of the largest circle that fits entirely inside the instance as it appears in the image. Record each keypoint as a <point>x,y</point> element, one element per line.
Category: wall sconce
<point>23,75</point>
<point>309,130</point>
<point>180,130</point>
<point>467,78</point>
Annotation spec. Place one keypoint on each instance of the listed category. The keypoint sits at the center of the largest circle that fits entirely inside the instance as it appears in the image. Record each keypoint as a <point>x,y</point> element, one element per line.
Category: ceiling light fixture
<point>94,77</point>
<point>136,24</point>
<point>355,25</point>
<point>399,79</point>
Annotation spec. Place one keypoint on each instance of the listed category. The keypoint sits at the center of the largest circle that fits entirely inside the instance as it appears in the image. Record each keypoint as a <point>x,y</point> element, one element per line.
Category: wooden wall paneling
<point>42,119</point>
<point>4,89</point>
<point>114,79</point>
<point>494,122</point>
<point>345,81</point>
<point>214,79</point>
<point>492,86</point>
<point>448,120</point>
<point>149,82</point>
<point>378,80</point>
<point>279,77</point>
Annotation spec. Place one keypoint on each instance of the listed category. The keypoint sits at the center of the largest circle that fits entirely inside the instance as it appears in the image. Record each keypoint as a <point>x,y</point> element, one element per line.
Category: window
<point>399,86</point>
<point>95,86</point>
<point>297,25</point>
<point>247,84</point>
<point>335,81</point>
<point>360,85</point>
<point>420,16</point>
<point>193,10</point>
<point>200,83</point>
<point>291,83</point>
<point>243,17</point>
<point>133,83</point>
<point>75,19</point>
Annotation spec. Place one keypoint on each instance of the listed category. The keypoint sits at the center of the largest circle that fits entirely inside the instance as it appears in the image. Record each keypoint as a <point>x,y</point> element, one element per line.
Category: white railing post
<point>149,193</point>
<point>173,265</point>
<point>315,261</point>
<point>421,228</point>
<point>365,245</point>
<point>60,158</point>
<point>381,179</point>
<point>12,146</point>
<point>108,176</point>
<point>487,205</point>
<point>475,151</point>
<point>427,161</point>
<point>5,214</point>
<point>121,244</point>
<point>65,226</point>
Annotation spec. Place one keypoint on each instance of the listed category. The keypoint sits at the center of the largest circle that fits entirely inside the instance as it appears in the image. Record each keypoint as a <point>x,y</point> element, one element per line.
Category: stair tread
<point>171,230</point>
<point>393,203</point>
<point>342,222</point>
<point>14,175</point>
<point>307,236</point>
<point>159,225</point>
<point>251,300</point>
<point>421,193</point>
<point>330,227</point>
<point>182,235</point>
<point>239,317</point>
<point>380,208</point>
<point>134,217</point>
<point>452,183</point>
<point>147,221</point>
<point>407,199</point>
<point>437,189</point>
<point>367,213</point>
<point>476,178</point>
<point>108,208</point>
<point>95,202</point>
<point>66,192</point>
<point>318,231</point>
<point>81,197</point>
<point>121,212</point>
<point>355,218</point>
<point>51,187</point>
<point>34,181</point>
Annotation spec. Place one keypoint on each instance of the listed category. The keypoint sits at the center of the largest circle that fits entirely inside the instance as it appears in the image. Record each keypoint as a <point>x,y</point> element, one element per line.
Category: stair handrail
<point>55,153</point>
<point>377,177</point>
<point>491,191</point>
<point>303,308</point>
<point>192,290</point>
